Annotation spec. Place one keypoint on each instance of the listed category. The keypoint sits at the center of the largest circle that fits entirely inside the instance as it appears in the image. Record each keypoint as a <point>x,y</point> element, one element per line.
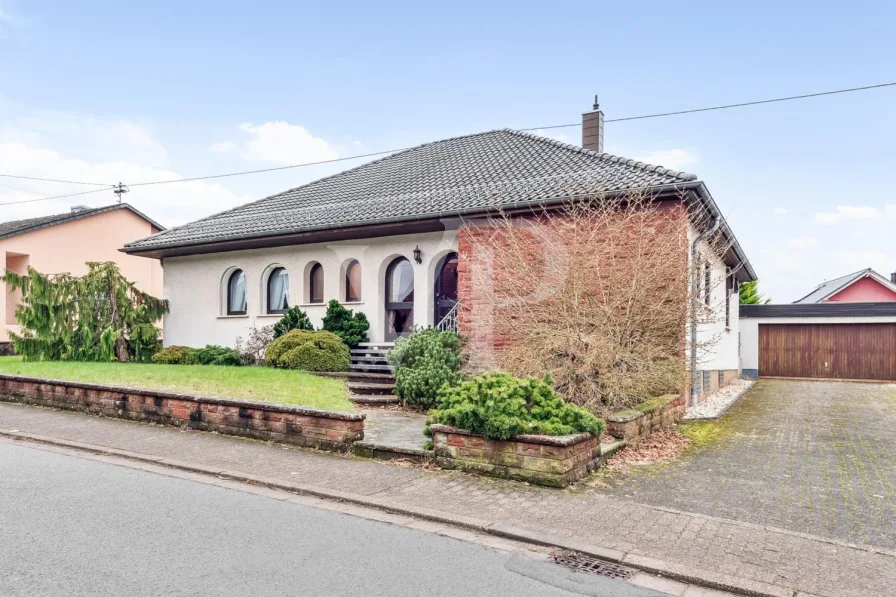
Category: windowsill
<point>727,329</point>
<point>278,315</point>
<point>352,303</point>
<point>313,305</point>
<point>245,316</point>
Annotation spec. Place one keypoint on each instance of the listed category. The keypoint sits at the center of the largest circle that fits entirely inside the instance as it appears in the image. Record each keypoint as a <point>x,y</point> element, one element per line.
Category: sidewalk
<point>690,546</point>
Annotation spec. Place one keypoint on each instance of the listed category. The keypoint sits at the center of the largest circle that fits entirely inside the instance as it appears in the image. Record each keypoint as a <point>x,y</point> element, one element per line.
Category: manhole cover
<point>581,563</point>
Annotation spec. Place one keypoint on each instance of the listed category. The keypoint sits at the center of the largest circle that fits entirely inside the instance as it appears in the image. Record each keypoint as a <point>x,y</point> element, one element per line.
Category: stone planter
<point>636,423</point>
<point>540,459</point>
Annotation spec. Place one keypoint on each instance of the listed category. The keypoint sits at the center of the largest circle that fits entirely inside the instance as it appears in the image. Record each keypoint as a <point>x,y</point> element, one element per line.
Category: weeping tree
<point>100,316</point>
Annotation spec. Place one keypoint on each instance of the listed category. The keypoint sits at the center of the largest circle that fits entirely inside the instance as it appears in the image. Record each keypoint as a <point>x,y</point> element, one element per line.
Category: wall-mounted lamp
<point>417,254</point>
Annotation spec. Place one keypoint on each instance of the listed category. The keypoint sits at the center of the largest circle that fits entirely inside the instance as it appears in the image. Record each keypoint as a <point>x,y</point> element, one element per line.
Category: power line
<point>726,106</point>
<point>95,184</point>
<point>55,197</point>
<point>378,153</point>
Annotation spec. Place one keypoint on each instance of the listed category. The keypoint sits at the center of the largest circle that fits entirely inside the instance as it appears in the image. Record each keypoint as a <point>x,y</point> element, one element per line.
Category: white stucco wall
<point>718,343</point>
<point>195,284</point>
<point>749,334</point>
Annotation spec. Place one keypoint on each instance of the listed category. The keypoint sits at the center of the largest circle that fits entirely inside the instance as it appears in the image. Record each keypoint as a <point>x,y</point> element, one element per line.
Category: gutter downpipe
<point>695,303</point>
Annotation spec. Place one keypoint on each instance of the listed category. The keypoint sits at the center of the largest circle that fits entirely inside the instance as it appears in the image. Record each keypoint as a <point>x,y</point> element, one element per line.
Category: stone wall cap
<point>639,410</point>
<point>545,440</point>
<point>219,401</point>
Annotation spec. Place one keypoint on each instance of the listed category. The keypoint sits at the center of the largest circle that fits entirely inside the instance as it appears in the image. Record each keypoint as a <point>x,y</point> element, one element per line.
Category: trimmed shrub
<point>176,355</point>
<point>293,319</point>
<point>219,355</point>
<point>424,362</point>
<point>350,326</point>
<point>308,351</point>
<point>500,406</point>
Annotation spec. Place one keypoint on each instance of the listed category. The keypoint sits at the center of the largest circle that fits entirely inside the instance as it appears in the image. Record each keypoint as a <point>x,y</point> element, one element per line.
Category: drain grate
<point>581,563</point>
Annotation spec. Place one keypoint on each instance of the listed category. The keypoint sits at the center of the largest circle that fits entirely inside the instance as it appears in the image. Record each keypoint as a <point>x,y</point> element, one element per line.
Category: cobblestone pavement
<point>692,542</point>
<point>808,456</point>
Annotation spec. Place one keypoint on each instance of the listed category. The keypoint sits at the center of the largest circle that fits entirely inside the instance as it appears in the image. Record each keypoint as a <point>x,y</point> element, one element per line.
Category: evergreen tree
<point>100,316</point>
<point>351,327</point>
<point>293,319</point>
<point>749,294</point>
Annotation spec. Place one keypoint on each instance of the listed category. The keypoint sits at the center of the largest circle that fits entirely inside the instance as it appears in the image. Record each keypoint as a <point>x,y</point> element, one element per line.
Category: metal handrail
<point>449,323</point>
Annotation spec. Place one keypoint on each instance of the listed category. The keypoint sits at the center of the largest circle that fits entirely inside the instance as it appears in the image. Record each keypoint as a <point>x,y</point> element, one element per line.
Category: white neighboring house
<point>386,238</point>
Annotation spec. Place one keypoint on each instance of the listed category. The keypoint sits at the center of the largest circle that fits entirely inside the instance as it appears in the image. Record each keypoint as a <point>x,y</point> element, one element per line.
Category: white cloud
<point>285,143</point>
<point>847,212</point>
<point>802,242</point>
<point>779,211</point>
<point>676,158</point>
<point>224,147</point>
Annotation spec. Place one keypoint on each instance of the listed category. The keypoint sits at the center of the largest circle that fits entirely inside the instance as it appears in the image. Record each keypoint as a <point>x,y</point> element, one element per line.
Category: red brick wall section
<point>552,461</point>
<point>476,292</point>
<point>301,426</point>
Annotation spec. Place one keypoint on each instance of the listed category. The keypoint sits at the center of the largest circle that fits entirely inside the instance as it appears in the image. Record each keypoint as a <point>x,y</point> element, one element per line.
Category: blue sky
<point>146,91</point>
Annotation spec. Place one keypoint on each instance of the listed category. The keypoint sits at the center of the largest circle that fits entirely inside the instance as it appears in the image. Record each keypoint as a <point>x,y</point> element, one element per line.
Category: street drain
<point>581,563</point>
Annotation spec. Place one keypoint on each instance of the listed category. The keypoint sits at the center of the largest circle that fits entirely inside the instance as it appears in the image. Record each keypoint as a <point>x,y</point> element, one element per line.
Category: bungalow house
<point>863,286</point>
<point>63,243</point>
<point>387,238</point>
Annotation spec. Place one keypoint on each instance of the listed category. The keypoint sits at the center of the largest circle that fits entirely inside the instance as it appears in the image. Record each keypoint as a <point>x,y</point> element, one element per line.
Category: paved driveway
<point>809,456</point>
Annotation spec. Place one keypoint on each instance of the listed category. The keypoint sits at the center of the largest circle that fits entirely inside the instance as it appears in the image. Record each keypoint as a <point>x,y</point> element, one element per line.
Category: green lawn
<point>248,383</point>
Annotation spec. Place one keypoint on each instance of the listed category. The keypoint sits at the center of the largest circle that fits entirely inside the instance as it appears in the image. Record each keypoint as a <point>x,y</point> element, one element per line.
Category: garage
<point>819,341</point>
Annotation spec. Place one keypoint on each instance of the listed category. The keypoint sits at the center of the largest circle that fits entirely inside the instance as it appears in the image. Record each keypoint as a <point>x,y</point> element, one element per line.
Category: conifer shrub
<point>499,406</point>
<point>424,362</point>
<point>176,355</point>
<point>293,319</point>
<point>350,326</point>
<point>219,355</point>
<point>308,351</point>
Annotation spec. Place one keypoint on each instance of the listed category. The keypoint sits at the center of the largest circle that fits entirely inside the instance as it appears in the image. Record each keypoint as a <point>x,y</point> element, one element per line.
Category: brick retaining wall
<point>539,459</point>
<point>311,427</point>
<point>637,423</point>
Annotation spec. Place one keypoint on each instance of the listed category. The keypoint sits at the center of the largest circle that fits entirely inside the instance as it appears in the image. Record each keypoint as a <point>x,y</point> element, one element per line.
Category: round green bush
<point>424,362</point>
<point>176,355</point>
<point>219,355</point>
<point>308,351</point>
<point>500,406</point>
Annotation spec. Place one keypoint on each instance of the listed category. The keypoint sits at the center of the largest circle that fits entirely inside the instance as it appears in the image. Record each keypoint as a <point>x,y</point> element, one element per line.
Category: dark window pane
<point>278,291</point>
<point>353,282</point>
<point>236,293</point>
<point>316,281</point>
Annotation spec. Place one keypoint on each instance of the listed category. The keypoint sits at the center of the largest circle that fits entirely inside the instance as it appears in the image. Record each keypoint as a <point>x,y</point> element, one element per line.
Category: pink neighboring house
<point>64,242</point>
<point>864,286</point>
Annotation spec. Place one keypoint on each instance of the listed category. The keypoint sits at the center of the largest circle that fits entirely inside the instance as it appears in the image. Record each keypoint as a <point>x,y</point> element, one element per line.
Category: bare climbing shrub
<point>596,291</point>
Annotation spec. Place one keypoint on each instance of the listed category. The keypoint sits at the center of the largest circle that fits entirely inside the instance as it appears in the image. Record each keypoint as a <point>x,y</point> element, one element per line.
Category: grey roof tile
<point>16,227</point>
<point>831,287</point>
<point>495,169</point>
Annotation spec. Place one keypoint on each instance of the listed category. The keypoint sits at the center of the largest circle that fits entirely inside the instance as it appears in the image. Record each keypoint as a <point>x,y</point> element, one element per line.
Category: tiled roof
<point>496,169</point>
<point>16,227</point>
<point>831,287</point>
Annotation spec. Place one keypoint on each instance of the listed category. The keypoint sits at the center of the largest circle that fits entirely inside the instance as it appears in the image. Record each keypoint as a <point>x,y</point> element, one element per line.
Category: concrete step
<point>370,388</point>
<point>371,367</point>
<point>360,376</point>
<point>364,351</point>
<point>368,358</point>
<point>373,399</point>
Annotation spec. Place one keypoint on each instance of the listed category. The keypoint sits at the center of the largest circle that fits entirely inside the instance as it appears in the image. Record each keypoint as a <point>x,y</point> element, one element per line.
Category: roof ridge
<point>609,157</point>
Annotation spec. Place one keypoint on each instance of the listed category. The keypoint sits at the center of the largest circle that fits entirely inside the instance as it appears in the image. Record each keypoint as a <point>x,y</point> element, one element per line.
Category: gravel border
<point>726,408</point>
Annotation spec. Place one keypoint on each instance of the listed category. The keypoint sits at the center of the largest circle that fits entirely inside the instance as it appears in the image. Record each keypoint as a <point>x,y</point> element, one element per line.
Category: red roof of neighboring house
<point>863,286</point>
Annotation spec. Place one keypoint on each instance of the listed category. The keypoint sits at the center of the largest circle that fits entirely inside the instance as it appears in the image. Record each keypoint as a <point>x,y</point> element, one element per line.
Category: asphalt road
<point>71,526</point>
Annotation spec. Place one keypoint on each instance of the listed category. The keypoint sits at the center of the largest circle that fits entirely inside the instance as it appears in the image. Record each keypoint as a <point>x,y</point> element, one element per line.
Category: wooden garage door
<point>835,351</point>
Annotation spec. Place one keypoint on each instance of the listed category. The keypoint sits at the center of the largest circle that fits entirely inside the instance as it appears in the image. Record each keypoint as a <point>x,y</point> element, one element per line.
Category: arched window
<point>316,284</point>
<point>278,290</point>
<point>236,293</point>
<point>353,282</point>
<point>399,298</point>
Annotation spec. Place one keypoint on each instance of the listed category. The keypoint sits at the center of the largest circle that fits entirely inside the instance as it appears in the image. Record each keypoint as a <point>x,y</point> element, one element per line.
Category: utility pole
<point>119,190</point>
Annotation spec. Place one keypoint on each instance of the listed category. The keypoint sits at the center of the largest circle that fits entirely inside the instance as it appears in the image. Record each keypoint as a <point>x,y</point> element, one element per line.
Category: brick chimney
<point>593,129</point>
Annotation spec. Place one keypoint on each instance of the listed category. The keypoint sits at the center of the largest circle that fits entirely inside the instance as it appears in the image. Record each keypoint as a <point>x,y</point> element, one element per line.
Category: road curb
<point>499,529</point>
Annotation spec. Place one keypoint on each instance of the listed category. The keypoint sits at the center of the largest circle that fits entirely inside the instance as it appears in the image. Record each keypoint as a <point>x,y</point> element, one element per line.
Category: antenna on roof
<point>596,105</point>
<point>119,190</point>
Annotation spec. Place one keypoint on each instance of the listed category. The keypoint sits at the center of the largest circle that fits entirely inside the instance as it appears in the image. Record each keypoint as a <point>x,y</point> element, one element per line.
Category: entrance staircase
<point>370,379</point>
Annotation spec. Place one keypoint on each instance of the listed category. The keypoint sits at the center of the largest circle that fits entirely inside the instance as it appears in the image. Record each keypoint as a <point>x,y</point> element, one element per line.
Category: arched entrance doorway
<point>399,299</point>
<point>445,287</point>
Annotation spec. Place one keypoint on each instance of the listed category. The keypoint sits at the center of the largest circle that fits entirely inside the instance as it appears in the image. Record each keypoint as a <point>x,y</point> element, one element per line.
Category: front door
<point>399,299</point>
<point>445,287</point>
